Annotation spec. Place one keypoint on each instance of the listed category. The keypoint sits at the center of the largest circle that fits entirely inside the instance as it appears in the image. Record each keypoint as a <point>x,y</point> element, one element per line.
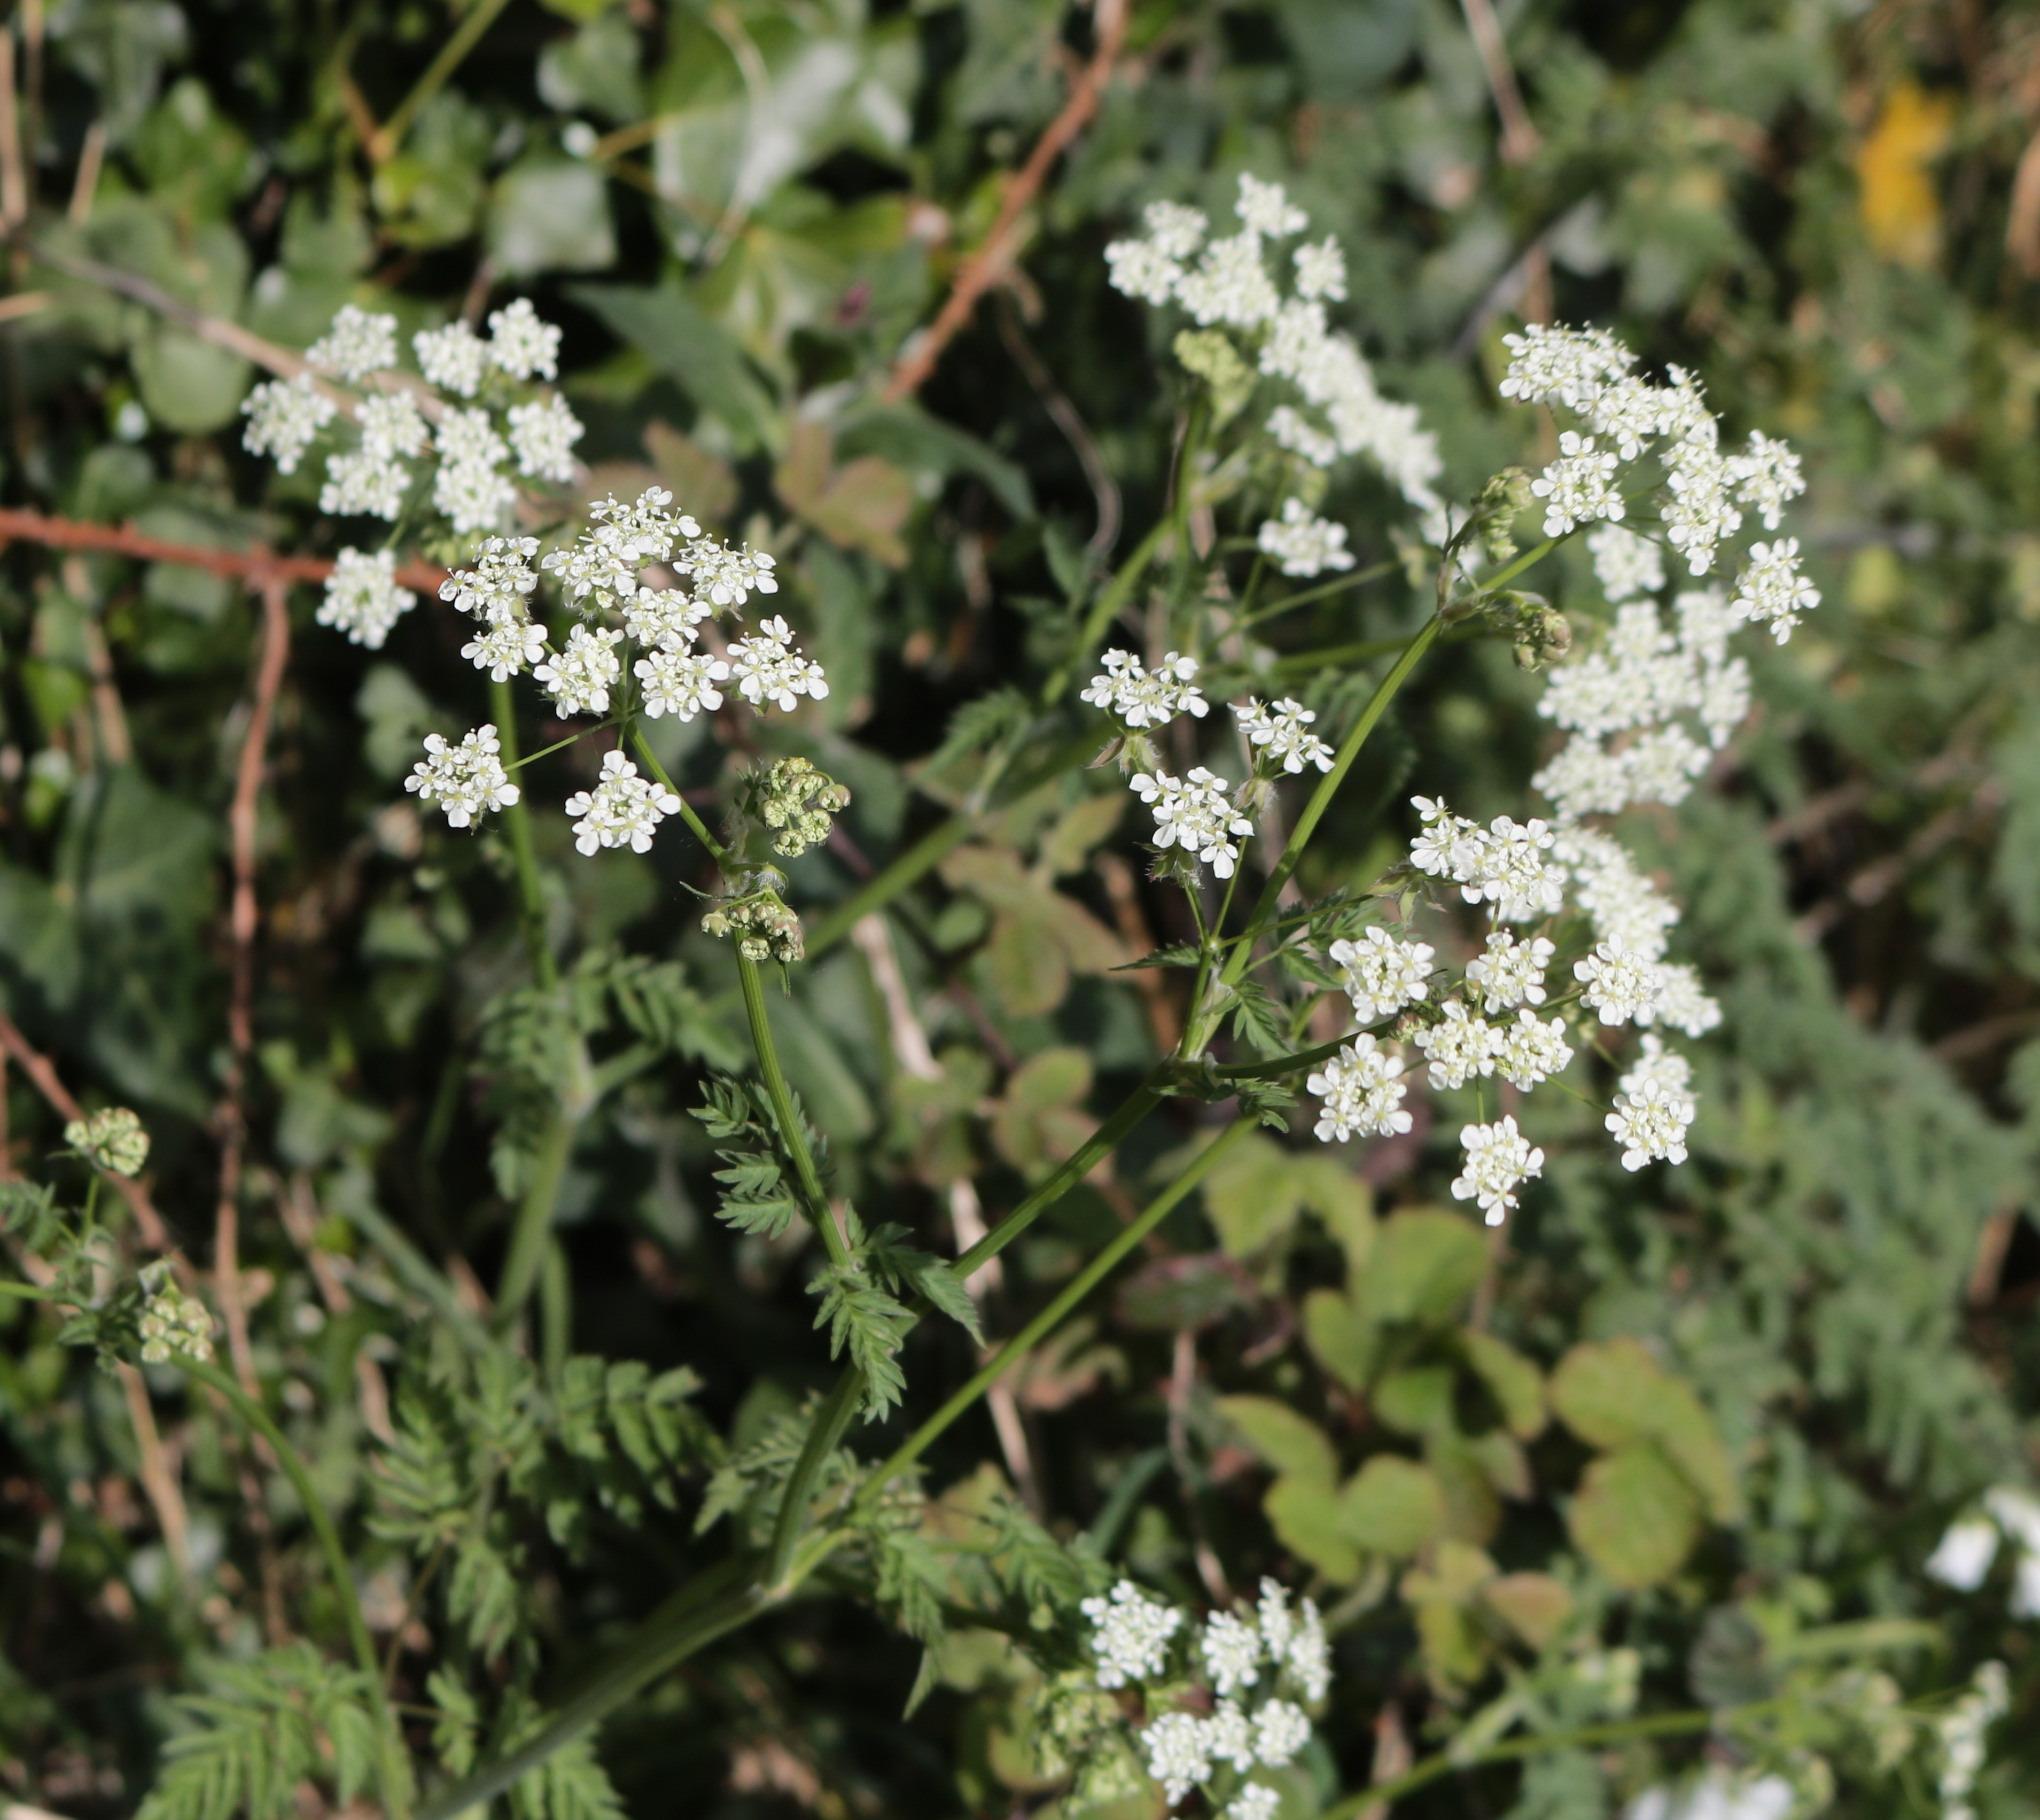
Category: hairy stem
<point>393,1772</point>
<point>1051,1317</point>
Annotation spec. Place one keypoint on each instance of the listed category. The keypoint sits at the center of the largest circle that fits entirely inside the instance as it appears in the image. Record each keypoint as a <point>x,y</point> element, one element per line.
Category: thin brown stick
<point>255,565</point>
<point>242,820</point>
<point>982,269</point>
<point>85,186</point>
<point>13,175</point>
<point>36,1066</point>
<point>159,1479</point>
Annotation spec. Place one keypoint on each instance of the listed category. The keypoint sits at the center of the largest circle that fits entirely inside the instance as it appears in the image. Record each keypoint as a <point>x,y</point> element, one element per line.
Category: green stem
<point>528,1238</point>
<point>26,1292</point>
<point>1651,1725</point>
<point>718,851</point>
<point>530,893</point>
<point>776,1089</point>
<point>831,1419</point>
<point>1100,1143</point>
<point>708,1607</point>
<point>1358,578</point>
<point>1522,562</point>
<point>1051,1317</point>
<point>1310,663</point>
<point>393,1772</point>
<point>389,135</point>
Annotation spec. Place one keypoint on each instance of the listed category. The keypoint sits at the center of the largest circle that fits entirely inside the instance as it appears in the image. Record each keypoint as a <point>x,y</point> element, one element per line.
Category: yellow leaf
<point>1901,212</point>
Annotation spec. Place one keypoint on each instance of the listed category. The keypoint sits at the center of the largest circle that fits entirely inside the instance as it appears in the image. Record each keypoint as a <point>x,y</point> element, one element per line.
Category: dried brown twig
<point>983,269</point>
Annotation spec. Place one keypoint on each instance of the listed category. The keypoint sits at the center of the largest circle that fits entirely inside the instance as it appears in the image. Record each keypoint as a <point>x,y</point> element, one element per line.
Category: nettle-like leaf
<point>285,1717</point>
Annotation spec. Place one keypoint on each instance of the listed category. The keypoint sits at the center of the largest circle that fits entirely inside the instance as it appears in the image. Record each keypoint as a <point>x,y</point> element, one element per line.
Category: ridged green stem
<point>789,1120</point>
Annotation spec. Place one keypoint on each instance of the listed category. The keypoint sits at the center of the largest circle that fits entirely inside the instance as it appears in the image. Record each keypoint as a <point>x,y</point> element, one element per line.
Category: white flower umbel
<point>1232,1650</point>
<point>1178,1753</point>
<point>1303,544</point>
<point>365,482</point>
<point>470,487</point>
<point>1624,906</point>
<point>1508,864</point>
<point>728,577</point>
<point>680,682</point>
<point>1680,1003</point>
<point>506,650</point>
<point>1650,1120</point>
<point>543,436</point>
<point>664,616</point>
<point>1499,1159</point>
<point>1619,984</point>
<point>1176,230</point>
<point>1308,1659</point>
<point>1561,366</point>
<point>1229,1736</point>
<point>1362,1092</point>
<point>1459,1047</point>
<point>1267,208</point>
<point>1321,270</point>
<point>453,358</point>
<point>1532,1052</point>
<point>284,419</point>
<point>1230,284</point>
<point>392,424</point>
<point>467,780</point>
<point>1509,972</point>
<point>765,667</point>
<point>362,597</point>
<point>623,809</point>
<point>500,582</point>
<point>1256,1801</point>
<point>1767,475</point>
<point>1142,270</point>
<point>1297,433</point>
<point>1702,510</point>
<point>1655,1062</point>
<point>1195,813</point>
<point>1381,975</point>
<point>1278,1622</point>
<point>1131,693</point>
<point>1279,1731</point>
<point>521,346</point>
<point>1771,592</point>
<point>1578,487</point>
<point>1130,1634</point>
<point>1283,732</point>
<point>579,678</point>
<point>1625,564</point>
<point>355,345</point>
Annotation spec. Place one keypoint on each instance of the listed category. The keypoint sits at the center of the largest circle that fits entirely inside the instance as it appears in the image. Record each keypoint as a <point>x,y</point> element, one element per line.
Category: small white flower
<point>1297,433</point>
<point>355,345</point>
<point>366,482</point>
<point>1963,1559</point>
<point>1532,1052</point>
<point>392,424</point>
<point>1278,1622</point>
<point>1363,1093</point>
<point>1283,732</point>
<point>680,682</point>
<point>1130,1634</point>
<point>1578,487</point>
<point>1767,475</point>
<point>1498,1160</point>
<point>1176,230</point>
<point>1960,1732</point>
<point>1309,1656</point>
<point>1680,1003</point>
<point>521,344</point>
<point>1701,512</point>
<point>473,497</point>
<point>501,581</point>
<point>1655,1062</point>
<point>543,436</point>
<point>1381,975</point>
<point>578,678</point>
<point>506,648</point>
<point>1178,1753</point>
<point>1302,543</point>
<point>1129,692</point>
<point>1279,1731</point>
<point>1141,269</point>
<point>465,780</point>
<point>362,597</point>
<point>1230,284</point>
<point>1321,270</point>
<point>1626,564</point>
<point>726,577</point>
<point>664,616</point>
<point>1561,366</point>
<point>1772,591</point>
<point>1196,813</point>
<point>1232,1653</point>
<point>765,667</point>
<point>1624,906</point>
<point>469,436</point>
<point>1229,1736</point>
<point>1650,1120</point>
<point>1510,972</point>
<point>284,419</point>
<point>1619,984</point>
<point>1516,874</point>
<point>1266,209</point>
<point>1256,1801</point>
<point>623,809</point>
<point>452,358</point>
<point>1460,1047</point>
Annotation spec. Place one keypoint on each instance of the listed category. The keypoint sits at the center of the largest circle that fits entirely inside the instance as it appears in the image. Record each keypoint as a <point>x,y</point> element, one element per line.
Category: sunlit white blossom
<point>364,482</point>
<point>1321,270</point>
<point>663,616</point>
<point>1229,1736</point>
<point>1680,1003</point>
<point>1578,487</point>
<point>1772,591</point>
<point>1130,1634</point>
<point>1461,1045</point>
<point>1362,1092</point>
<point>453,358</point>
<point>1701,512</point>
<point>1624,906</point>
<point>1963,1557</point>
<point>500,582</point>
<point>1230,284</point>
<point>1176,228</point>
<point>1256,1801</point>
<point>465,780</point>
<point>1142,698</point>
<point>1195,813</point>
<point>1179,1752</point>
<point>355,345</point>
<point>1625,563</point>
<point>363,598</point>
<point>623,809</point>
<point>392,424</point>
<point>1649,1123</point>
<point>521,344</point>
<point>579,678</point>
<point>1267,208</point>
<point>1531,1052</point>
<point>1279,1731</point>
<point>765,667</point>
<point>1303,544</point>
<point>1297,433</point>
<point>284,419</point>
<point>1380,974</point>
<point>1499,1159</point>
<point>506,648</point>
<point>1562,366</point>
<point>1308,1656</point>
<point>728,577</point>
<point>1282,732</point>
<point>681,682</point>
<point>1509,972</point>
<point>1767,475</point>
<point>543,436</point>
<point>1617,984</point>
<point>1232,1650</point>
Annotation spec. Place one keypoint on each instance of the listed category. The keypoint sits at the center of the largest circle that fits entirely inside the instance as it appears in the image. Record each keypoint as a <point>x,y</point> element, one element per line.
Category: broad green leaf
<point>1303,1512</point>
<point>1613,1392</point>
<point>1516,1385</point>
<point>1634,1516</point>
<point>1424,1264</point>
<point>690,347</point>
<point>551,214</point>
<point>1473,1512</point>
<point>1391,1506</point>
<point>1252,1196</point>
<point>187,384</point>
<point>1416,1400</point>
<point>1342,1338</point>
<point>1533,1605</point>
<point>1291,1443</point>
<point>1345,1204</point>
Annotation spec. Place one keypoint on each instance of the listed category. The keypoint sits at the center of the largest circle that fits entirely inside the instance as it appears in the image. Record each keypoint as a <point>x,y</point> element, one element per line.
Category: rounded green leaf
<point>1391,1506</point>
<point>1635,1517</point>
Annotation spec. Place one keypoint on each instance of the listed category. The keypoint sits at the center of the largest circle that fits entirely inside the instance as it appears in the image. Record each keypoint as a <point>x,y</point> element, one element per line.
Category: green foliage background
<point>1807,203</point>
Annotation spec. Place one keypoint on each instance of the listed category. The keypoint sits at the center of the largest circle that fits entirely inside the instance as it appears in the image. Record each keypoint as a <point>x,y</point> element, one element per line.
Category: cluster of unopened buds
<point>765,929</point>
<point>112,1139</point>
<point>1216,1711</point>
<point>173,1324</point>
<point>794,801</point>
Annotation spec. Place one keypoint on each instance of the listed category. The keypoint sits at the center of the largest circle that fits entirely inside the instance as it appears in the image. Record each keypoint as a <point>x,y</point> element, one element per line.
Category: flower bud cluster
<point>795,801</point>
<point>764,928</point>
<point>112,1139</point>
<point>173,1324</point>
